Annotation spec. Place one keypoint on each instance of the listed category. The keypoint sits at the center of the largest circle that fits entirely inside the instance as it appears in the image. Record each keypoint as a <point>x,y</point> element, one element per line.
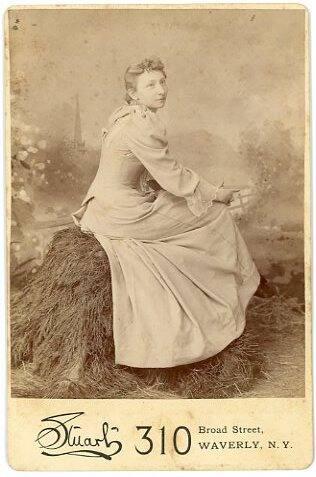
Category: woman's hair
<point>133,71</point>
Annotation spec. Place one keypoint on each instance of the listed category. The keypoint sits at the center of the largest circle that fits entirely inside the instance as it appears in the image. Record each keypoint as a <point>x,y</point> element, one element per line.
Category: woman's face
<point>151,89</point>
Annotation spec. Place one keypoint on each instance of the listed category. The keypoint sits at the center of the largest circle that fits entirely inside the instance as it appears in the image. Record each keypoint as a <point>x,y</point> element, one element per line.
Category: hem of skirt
<point>122,362</point>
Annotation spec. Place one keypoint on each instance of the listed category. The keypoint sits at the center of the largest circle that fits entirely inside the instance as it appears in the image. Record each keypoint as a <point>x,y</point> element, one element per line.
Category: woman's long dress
<point>182,275</point>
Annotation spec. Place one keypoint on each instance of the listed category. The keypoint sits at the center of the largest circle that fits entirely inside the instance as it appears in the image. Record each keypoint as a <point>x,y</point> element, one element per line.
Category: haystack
<point>62,342</point>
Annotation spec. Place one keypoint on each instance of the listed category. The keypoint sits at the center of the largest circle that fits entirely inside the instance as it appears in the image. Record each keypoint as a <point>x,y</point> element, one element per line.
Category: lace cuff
<point>202,198</point>
<point>144,180</point>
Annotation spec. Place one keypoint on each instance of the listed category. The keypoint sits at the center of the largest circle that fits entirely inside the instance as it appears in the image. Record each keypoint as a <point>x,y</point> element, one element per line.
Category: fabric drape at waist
<point>122,196</point>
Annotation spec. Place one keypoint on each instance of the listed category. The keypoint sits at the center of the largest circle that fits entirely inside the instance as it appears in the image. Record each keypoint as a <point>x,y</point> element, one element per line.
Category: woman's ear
<point>132,93</point>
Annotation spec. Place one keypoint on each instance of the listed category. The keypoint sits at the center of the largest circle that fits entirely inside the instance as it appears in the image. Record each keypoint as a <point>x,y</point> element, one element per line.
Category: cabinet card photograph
<point>158,237</point>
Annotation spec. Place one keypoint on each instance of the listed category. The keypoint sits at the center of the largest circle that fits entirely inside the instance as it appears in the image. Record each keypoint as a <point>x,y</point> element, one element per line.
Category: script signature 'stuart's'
<point>62,437</point>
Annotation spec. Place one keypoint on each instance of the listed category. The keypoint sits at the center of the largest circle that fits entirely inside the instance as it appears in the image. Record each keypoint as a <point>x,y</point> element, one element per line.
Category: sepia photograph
<point>156,220</point>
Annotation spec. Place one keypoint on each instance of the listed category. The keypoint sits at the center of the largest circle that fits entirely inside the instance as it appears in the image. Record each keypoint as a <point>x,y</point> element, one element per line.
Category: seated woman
<point>182,275</point>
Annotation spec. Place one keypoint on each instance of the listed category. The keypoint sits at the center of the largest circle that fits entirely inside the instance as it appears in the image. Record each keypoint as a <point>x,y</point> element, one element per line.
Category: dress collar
<point>129,108</point>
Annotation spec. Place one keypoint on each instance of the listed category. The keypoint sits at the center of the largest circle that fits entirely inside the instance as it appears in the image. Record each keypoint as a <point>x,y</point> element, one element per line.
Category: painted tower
<point>78,143</point>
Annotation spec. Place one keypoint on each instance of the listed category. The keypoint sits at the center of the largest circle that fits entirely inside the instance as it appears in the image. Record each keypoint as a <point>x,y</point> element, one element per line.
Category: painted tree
<point>276,164</point>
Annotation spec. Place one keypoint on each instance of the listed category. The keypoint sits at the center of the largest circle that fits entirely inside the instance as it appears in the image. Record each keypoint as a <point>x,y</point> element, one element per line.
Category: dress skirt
<point>180,283</point>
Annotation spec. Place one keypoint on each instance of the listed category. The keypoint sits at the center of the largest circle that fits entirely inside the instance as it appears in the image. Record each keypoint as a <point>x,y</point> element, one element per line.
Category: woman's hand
<point>225,195</point>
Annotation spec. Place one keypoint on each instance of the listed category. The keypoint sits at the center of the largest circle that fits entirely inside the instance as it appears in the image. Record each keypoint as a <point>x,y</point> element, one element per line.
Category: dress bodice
<point>118,168</point>
<point>137,142</point>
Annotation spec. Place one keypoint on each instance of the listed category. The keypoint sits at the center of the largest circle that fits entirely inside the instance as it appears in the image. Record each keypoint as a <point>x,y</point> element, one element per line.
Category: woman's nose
<point>160,89</point>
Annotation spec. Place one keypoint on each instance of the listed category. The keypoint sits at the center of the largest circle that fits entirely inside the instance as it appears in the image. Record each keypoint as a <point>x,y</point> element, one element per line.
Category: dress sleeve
<point>147,141</point>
